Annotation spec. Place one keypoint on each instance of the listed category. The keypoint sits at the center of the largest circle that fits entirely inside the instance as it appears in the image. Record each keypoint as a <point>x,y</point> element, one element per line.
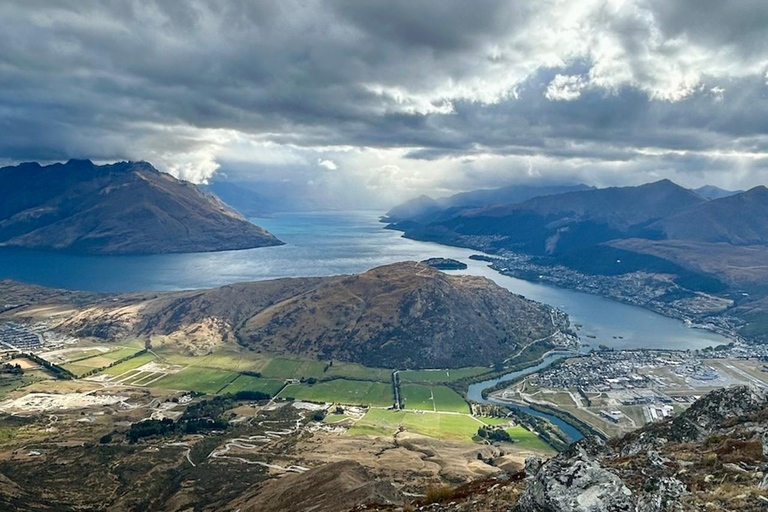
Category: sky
<point>373,102</point>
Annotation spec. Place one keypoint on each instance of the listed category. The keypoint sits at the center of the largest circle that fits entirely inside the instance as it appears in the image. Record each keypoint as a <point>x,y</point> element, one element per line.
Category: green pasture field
<point>418,397</point>
<point>526,439</point>
<point>130,364</point>
<point>433,398</point>
<point>456,427</point>
<point>202,380</point>
<point>438,376</point>
<point>249,383</point>
<point>97,359</point>
<point>376,394</point>
<point>449,400</point>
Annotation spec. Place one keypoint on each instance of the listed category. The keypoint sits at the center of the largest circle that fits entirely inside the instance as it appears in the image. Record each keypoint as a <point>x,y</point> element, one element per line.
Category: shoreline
<point>485,255</point>
<point>731,335</point>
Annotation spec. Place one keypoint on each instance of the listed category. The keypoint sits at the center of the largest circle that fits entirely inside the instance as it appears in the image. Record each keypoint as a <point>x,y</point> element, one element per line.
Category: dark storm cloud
<point>646,84</point>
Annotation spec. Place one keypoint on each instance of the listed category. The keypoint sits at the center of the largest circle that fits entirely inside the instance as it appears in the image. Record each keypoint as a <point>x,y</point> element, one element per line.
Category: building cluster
<point>617,370</point>
<point>608,371</point>
<point>658,412</point>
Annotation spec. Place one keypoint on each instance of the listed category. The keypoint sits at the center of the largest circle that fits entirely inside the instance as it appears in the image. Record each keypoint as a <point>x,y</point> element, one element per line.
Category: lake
<point>330,243</point>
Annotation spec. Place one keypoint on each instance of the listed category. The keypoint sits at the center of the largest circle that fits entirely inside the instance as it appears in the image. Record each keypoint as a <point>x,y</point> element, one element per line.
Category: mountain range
<point>557,224</point>
<point>123,208</point>
<point>423,206</point>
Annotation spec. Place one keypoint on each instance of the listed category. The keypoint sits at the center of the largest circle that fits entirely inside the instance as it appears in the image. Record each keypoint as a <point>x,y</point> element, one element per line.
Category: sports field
<point>352,392</point>
<point>433,398</point>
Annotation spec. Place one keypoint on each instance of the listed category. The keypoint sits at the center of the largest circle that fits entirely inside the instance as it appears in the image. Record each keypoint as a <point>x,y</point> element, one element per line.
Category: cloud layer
<point>387,99</point>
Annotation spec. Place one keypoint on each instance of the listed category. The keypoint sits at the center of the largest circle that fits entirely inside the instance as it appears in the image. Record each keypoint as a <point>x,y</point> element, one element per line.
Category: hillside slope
<point>740,219</point>
<point>405,315</point>
<point>124,208</point>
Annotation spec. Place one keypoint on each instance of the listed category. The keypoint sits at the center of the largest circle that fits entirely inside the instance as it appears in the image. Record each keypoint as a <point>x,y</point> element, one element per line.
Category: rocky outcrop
<point>574,481</point>
<point>716,411</point>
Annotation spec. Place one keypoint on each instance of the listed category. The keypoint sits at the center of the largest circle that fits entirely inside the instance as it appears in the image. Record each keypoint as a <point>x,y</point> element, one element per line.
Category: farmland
<point>433,398</point>
<point>95,359</point>
<point>439,376</point>
<point>130,364</point>
<point>250,383</point>
<point>202,380</point>
<point>375,394</point>
<point>274,367</point>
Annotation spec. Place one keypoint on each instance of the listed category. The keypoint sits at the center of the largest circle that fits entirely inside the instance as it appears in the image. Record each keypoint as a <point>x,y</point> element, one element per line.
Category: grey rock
<point>575,482</point>
<point>663,495</point>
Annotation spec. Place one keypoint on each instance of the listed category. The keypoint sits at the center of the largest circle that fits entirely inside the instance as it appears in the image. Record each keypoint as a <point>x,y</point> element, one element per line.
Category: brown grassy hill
<point>124,208</point>
<point>401,315</point>
<point>405,315</point>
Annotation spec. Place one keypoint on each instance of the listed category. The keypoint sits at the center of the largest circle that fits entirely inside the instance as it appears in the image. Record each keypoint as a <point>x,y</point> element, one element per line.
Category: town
<point>653,291</point>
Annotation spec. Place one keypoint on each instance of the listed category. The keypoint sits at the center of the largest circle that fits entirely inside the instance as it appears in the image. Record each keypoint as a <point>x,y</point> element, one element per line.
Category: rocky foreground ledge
<point>712,457</point>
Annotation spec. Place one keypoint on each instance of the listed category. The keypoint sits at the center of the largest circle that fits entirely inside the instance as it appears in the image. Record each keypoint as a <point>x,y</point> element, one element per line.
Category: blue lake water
<point>321,244</point>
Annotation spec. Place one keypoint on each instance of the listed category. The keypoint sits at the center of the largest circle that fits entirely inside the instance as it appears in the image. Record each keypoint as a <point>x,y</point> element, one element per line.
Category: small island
<point>480,257</point>
<point>445,264</point>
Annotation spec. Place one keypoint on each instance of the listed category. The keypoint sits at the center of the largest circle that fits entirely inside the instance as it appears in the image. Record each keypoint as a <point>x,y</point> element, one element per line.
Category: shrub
<point>438,494</point>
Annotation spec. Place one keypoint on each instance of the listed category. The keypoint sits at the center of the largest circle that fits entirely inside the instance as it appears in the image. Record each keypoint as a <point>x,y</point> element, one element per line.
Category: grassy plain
<point>275,367</point>
<point>93,359</point>
<point>130,364</point>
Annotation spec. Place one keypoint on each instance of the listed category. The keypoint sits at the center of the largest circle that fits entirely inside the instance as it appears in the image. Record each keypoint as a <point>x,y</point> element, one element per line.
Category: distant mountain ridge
<point>556,224</point>
<point>712,192</point>
<point>423,206</point>
<point>123,208</point>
